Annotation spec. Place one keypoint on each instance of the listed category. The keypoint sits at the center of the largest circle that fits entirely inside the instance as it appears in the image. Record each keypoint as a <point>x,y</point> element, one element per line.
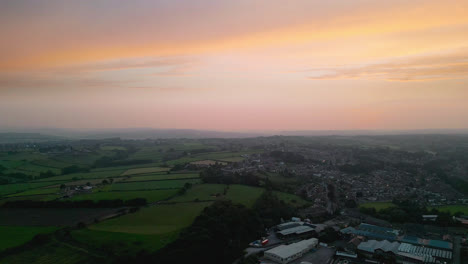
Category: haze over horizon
<point>234,65</point>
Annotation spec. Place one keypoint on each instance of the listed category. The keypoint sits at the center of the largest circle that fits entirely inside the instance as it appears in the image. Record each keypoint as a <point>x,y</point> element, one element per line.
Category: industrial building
<point>286,253</point>
<point>302,230</point>
<point>373,232</point>
<point>403,252</point>
<point>288,225</point>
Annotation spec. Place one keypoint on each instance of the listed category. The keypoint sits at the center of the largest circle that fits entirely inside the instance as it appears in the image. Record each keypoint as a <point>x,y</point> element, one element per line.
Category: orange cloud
<point>420,68</point>
<point>384,19</point>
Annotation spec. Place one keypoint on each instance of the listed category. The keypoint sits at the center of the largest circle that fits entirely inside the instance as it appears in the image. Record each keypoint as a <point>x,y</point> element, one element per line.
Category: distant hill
<point>53,134</point>
<point>6,138</point>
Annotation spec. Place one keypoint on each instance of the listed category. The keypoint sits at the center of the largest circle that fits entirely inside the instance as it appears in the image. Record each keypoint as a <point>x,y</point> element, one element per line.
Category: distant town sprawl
<point>322,199</point>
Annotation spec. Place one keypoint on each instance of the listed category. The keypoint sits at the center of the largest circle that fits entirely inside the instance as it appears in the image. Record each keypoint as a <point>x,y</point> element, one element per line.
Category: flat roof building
<point>296,231</point>
<point>286,253</point>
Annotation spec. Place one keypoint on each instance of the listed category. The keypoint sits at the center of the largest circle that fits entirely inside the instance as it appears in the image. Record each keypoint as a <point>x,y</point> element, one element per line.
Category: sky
<point>234,65</point>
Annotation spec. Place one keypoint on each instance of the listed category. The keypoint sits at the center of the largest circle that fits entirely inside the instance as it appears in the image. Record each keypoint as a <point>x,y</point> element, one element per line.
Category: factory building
<point>403,252</point>
<point>286,253</point>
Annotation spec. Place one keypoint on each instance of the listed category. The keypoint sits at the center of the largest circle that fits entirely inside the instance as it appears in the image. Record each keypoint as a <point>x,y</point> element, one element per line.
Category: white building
<point>286,253</point>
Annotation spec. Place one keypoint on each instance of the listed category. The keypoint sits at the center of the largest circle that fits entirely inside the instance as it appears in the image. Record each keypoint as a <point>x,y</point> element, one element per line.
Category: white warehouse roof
<point>286,251</point>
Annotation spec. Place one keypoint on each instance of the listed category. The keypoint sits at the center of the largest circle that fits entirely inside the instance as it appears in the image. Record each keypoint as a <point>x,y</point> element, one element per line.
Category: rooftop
<point>285,251</point>
<point>373,245</point>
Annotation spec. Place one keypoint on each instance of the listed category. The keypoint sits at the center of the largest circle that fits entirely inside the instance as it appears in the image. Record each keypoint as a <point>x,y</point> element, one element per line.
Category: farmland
<point>50,253</point>
<point>151,185</point>
<point>290,199</point>
<point>242,194</point>
<point>128,243</point>
<point>202,192</point>
<point>13,236</point>
<point>51,216</point>
<point>150,196</point>
<point>144,170</point>
<point>158,219</point>
<point>19,187</point>
<point>161,174</point>
<point>453,209</point>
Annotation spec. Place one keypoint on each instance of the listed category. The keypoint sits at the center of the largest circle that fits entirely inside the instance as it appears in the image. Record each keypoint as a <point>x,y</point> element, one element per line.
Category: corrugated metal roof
<point>296,230</point>
<point>372,245</point>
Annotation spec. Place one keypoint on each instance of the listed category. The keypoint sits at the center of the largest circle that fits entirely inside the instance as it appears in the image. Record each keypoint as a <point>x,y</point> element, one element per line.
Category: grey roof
<point>285,251</point>
<point>372,245</point>
<point>296,230</point>
<point>424,252</point>
<point>348,230</point>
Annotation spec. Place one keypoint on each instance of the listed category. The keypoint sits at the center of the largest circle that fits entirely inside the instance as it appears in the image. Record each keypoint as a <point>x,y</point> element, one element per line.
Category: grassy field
<point>159,176</point>
<point>18,187</point>
<point>208,162</point>
<point>39,191</point>
<point>291,199</point>
<point>144,170</point>
<point>232,159</point>
<point>150,185</point>
<point>377,205</point>
<point>12,236</point>
<point>87,175</point>
<point>51,253</point>
<point>201,192</point>
<point>51,216</point>
<point>123,243</point>
<point>242,194</point>
<point>158,219</point>
<point>42,197</point>
<point>150,196</point>
<point>453,209</point>
<point>210,156</point>
<point>51,163</point>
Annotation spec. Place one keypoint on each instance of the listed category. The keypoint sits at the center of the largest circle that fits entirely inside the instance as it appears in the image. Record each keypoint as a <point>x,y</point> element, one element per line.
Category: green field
<point>144,170</point>
<point>123,243</point>
<point>39,191</point>
<point>158,219</point>
<point>150,185</point>
<point>12,236</point>
<point>291,199</point>
<point>378,205</point>
<point>150,196</point>
<point>159,176</point>
<point>222,155</point>
<point>233,159</point>
<point>246,195</point>
<point>18,187</point>
<point>452,209</point>
<point>42,197</point>
<point>52,253</point>
<point>87,175</point>
<point>201,192</point>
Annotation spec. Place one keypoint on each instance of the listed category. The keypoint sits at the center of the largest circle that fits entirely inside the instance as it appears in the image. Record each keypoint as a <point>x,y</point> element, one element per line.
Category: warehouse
<point>286,253</point>
<point>302,230</point>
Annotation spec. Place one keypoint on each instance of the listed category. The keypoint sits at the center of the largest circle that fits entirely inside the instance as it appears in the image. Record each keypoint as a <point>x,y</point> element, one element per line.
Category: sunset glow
<point>234,65</point>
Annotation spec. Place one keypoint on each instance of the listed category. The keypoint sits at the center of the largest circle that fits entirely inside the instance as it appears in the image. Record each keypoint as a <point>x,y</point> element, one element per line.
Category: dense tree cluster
<point>271,209</point>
